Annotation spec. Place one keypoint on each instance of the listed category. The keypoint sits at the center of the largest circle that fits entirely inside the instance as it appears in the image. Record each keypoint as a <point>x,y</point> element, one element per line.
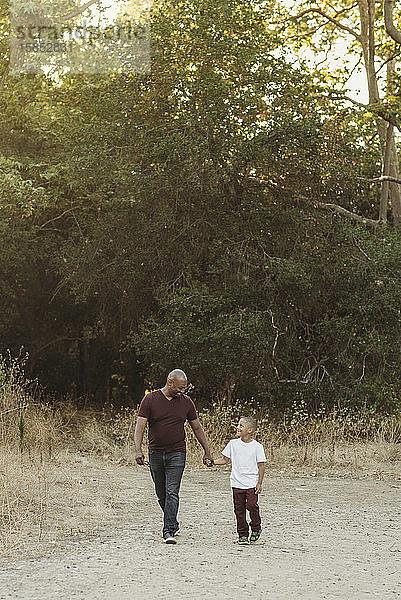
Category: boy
<point>248,468</point>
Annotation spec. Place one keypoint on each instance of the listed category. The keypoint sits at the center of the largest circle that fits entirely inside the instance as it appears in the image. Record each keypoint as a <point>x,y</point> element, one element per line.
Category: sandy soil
<point>323,538</point>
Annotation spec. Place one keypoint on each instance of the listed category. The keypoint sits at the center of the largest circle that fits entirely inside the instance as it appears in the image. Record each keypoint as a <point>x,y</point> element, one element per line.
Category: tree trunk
<point>395,189</point>
<point>384,195</point>
<point>388,147</point>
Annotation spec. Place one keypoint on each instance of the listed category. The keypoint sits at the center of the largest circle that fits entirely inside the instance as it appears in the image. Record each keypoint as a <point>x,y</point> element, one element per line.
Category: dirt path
<point>322,539</point>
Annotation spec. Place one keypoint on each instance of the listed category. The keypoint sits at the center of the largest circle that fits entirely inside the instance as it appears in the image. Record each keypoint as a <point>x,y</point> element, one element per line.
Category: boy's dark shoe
<point>176,532</point>
<point>169,539</point>
<point>243,540</point>
<point>255,535</point>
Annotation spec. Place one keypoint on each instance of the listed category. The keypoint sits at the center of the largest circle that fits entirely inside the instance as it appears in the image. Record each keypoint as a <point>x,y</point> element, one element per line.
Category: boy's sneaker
<point>176,532</point>
<point>243,540</point>
<point>255,535</point>
<point>169,539</point>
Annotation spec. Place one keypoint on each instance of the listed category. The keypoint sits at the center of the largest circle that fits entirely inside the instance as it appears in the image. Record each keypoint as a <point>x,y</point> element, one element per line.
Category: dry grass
<point>341,443</point>
<point>58,500</point>
<point>43,449</point>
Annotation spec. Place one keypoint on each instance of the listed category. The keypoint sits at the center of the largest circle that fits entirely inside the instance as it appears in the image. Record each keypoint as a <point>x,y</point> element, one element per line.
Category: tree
<point>361,25</point>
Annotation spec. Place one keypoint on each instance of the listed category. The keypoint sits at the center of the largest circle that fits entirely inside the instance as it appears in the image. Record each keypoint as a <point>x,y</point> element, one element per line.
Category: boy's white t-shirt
<point>244,462</point>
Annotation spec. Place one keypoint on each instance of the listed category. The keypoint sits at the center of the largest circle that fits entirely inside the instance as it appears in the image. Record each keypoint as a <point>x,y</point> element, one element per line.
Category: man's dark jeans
<point>166,469</point>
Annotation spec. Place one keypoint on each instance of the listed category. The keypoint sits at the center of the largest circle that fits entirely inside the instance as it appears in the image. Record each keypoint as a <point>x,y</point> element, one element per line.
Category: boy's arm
<point>221,461</point>
<point>261,469</point>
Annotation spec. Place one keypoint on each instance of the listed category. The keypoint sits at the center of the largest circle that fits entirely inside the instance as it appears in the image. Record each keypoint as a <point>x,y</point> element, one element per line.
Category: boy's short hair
<point>252,422</point>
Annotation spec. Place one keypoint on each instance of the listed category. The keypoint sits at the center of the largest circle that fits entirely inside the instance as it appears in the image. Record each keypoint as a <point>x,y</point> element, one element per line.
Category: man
<point>166,411</point>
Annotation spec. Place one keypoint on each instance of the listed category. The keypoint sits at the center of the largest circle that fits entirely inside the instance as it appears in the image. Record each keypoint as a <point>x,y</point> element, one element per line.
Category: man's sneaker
<point>176,532</point>
<point>243,540</point>
<point>255,535</point>
<point>169,539</point>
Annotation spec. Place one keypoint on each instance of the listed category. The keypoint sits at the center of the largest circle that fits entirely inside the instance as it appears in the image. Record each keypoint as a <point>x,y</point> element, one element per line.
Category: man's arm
<point>261,469</point>
<point>201,437</point>
<point>138,437</point>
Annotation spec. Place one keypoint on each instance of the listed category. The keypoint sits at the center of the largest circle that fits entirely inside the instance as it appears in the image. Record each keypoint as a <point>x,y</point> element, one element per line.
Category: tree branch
<point>328,206</point>
<point>367,107</point>
<point>78,10</point>
<point>382,178</point>
<point>384,63</point>
<point>354,68</point>
<point>335,22</point>
<point>388,8</point>
<point>63,338</point>
<point>350,215</point>
<point>58,217</point>
<point>277,334</point>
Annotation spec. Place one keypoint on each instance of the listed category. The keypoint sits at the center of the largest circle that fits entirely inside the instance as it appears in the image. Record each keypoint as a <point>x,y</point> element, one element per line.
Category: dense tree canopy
<point>178,217</point>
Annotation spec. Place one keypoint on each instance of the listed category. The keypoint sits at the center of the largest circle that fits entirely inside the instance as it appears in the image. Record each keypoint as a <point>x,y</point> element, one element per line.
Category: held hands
<point>208,460</point>
<point>258,488</point>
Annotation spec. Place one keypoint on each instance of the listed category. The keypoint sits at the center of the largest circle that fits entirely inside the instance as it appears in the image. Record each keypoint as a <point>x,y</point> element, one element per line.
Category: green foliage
<point>321,322</point>
<point>19,196</point>
<point>211,335</point>
<point>168,219</point>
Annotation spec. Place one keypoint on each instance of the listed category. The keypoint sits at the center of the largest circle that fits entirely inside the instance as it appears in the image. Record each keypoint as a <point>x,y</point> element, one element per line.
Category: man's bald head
<point>176,383</point>
<point>177,374</point>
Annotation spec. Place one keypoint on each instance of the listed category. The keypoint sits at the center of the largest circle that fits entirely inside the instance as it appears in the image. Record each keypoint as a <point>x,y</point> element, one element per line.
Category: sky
<point>357,84</point>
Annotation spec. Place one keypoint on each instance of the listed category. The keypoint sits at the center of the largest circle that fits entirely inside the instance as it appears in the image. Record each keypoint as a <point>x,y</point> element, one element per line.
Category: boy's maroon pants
<point>246,500</point>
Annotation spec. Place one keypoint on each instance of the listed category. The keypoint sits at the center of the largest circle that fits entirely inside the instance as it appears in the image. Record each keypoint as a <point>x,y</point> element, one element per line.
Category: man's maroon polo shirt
<point>166,420</point>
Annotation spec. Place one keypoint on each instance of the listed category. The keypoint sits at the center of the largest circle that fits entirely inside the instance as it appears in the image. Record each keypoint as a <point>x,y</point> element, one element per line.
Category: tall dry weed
<point>27,422</point>
<point>30,431</point>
